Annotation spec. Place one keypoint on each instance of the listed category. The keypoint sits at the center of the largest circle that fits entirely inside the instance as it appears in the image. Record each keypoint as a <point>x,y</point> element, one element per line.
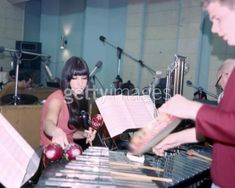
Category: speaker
<point>30,63</point>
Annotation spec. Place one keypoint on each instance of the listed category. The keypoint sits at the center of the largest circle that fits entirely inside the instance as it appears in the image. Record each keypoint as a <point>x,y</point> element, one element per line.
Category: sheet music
<point>12,172</point>
<point>141,109</point>
<point>15,154</point>
<point>125,112</point>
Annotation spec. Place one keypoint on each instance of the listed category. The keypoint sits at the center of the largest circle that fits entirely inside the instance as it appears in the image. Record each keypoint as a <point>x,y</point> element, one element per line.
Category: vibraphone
<point>99,167</point>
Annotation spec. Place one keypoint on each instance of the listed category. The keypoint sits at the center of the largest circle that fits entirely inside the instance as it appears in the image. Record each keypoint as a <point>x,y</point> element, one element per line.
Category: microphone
<point>157,79</point>
<point>102,38</point>
<point>189,83</point>
<point>97,66</point>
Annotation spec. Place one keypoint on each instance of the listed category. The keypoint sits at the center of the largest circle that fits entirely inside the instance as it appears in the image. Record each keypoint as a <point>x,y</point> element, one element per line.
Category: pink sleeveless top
<point>62,120</point>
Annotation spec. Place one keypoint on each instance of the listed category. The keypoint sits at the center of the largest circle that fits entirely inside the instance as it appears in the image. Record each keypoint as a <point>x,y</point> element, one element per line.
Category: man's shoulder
<point>8,84</point>
<point>8,88</point>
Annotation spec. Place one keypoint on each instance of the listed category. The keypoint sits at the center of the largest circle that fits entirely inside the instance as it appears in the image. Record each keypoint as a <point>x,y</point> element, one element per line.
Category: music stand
<point>105,139</point>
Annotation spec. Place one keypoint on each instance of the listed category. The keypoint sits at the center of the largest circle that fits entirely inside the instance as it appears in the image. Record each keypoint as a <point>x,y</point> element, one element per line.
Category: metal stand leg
<point>18,62</point>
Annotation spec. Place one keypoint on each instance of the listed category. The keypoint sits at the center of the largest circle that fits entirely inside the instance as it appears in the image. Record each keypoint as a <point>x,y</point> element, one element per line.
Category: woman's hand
<point>59,137</point>
<point>90,135</point>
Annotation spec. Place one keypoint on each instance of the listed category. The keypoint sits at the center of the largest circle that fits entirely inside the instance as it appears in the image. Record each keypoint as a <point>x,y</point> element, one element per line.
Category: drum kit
<point>16,98</point>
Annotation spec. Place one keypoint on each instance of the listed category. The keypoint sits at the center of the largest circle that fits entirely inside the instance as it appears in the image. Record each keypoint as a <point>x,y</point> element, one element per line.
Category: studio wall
<point>149,30</point>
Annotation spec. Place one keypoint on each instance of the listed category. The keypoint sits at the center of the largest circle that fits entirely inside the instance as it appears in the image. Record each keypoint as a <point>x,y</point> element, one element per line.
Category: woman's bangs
<point>82,72</point>
<point>80,69</point>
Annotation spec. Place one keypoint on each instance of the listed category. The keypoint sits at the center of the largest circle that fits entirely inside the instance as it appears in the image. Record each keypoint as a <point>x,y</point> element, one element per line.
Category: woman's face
<point>223,21</point>
<point>78,84</point>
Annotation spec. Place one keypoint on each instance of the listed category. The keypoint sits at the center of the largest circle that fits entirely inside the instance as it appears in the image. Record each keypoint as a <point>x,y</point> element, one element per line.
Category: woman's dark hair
<point>74,66</point>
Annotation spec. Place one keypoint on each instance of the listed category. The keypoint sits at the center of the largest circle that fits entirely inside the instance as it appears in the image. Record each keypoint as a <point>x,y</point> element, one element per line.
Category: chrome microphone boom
<point>190,84</point>
<point>2,49</point>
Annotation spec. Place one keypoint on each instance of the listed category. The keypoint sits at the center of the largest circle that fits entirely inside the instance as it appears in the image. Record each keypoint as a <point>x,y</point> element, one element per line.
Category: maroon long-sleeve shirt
<point>218,123</point>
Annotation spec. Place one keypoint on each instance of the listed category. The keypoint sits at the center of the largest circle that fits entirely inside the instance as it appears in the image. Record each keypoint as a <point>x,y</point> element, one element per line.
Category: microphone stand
<point>120,51</point>
<point>95,78</point>
<point>25,52</point>
<point>18,56</point>
<point>202,90</point>
<point>119,56</point>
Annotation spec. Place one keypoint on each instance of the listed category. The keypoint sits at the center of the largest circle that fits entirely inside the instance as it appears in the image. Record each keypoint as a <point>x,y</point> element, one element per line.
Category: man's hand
<point>174,140</point>
<point>181,107</point>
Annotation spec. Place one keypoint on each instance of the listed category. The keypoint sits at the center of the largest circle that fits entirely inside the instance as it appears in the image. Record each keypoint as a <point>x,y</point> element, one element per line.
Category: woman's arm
<point>50,123</point>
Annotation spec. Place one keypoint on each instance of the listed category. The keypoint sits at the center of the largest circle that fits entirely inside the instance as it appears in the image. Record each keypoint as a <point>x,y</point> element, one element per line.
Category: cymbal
<point>21,99</point>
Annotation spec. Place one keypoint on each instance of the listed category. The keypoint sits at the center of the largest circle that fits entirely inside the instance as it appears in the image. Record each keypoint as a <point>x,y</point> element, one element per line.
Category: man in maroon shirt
<point>217,123</point>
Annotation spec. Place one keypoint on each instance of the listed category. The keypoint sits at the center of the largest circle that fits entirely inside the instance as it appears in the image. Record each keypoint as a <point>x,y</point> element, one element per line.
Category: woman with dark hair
<point>61,114</point>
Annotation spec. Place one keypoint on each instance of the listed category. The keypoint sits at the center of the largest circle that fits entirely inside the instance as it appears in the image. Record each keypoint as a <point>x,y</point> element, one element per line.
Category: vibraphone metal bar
<point>185,170</point>
<point>98,167</point>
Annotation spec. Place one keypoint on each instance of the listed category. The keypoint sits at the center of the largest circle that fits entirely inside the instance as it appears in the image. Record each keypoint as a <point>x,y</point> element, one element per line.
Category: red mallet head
<point>72,151</point>
<point>53,152</point>
<point>96,121</point>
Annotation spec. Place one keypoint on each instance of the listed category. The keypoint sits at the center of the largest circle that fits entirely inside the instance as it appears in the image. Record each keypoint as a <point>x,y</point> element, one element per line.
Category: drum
<point>22,99</point>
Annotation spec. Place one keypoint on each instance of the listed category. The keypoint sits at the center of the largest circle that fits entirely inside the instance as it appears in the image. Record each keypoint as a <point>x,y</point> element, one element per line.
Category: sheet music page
<point>124,112</point>
<point>115,114</point>
<point>15,154</point>
<point>12,172</point>
<point>33,166</point>
<point>141,109</point>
